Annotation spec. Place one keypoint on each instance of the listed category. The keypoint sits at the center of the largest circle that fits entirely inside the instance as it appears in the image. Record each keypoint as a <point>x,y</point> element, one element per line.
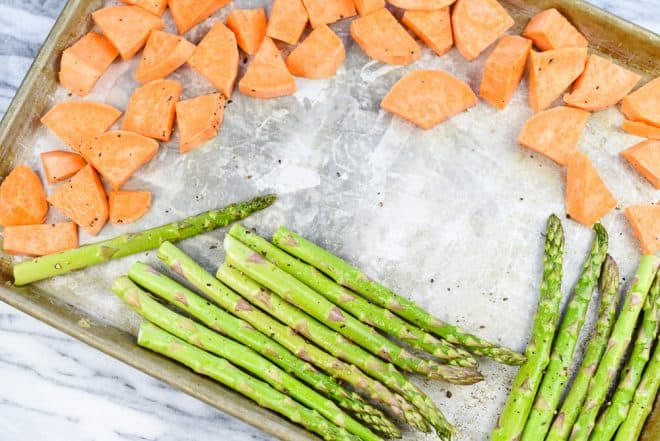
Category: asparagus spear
<point>308,300</point>
<point>93,254</point>
<point>157,340</point>
<point>614,415</point>
<point>236,353</point>
<point>556,375</point>
<point>609,287</point>
<point>526,383</point>
<point>616,348</point>
<point>239,330</point>
<point>336,344</point>
<point>642,403</point>
<point>354,279</point>
<point>363,310</point>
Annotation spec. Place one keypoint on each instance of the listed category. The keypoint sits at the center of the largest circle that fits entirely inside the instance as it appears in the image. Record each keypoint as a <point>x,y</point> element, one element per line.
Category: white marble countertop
<point>54,387</point>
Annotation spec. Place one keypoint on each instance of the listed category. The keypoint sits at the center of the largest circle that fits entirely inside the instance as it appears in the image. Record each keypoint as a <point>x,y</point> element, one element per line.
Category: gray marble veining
<point>53,387</point>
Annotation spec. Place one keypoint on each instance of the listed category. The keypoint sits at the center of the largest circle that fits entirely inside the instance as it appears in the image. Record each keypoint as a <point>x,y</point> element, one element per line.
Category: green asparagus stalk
<point>354,279</point>
<point>157,340</point>
<point>336,344</point>
<point>616,348</point>
<point>237,329</point>
<point>561,357</point>
<point>526,383</point>
<point>317,306</point>
<point>121,246</point>
<point>609,287</point>
<point>642,403</point>
<point>363,310</point>
<point>615,414</point>
<point>236,353</point>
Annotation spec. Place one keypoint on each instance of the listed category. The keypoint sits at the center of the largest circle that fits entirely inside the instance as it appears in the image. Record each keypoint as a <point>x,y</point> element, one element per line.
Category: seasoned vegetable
<point>267,75</point>
<point>199,120</point>
<point>550,30</point>
<point>645,221</point>
<point>645,158</point>
<point>216,58</point>
<point>127,206</point>
<point>642,104</point>
<point>85,61</point>
<point>151,109</point>
<point>249,26</point>
<point>552,72</point>
<point>504,69</point>
<point>39,240</point>
<point>22,198</point>
<point>477,24</point>
<point>59,165</point>
<point>432,27</point>
<point>287,21</point>
<point>322,12</point>
<point>127,27</point>
<point>587,197</point>
<point>163,54</point>
<point>319,56</point>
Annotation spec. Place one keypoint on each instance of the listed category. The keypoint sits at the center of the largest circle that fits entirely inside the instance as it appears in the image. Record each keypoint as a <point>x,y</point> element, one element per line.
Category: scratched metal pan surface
<point>450,217</point>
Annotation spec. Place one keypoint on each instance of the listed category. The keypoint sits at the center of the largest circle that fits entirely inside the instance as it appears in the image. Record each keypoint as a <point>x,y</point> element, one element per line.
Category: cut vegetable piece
<point>641,129</point>
<point>156,7</point>
<point>325,12</point>
<point>645,158</point>
<point>382,38</point>
<point>127,206</point>
<point>127,27</point>
<point>117,155</point>
<point>551,30</point>
<point>587,197</point>
<point>428,97</point>
<point>601,85</point>
<point>287,21</point>
<point>642,105</point>
<point>267,76</point>
<point>189,13</point>
<point>60,165</point>
<point>39,240</point>
<point>22,198</point>
<point>432,27</point>
<point>83,200</point>
<point>551,73</point>
<point>151,109</point>
<point>249,26</point>
<point>645,221</point>
<point>504,69</point>
<point>84,62</point>
<point>163,54</point>
<point>74,121</point>
<point>318,56</point>
<point>421,5</point>
<point>366,7</point>
<point>216,58</point>
<point>199,120</point>
<point>555,133</point>
<point>477,24</point>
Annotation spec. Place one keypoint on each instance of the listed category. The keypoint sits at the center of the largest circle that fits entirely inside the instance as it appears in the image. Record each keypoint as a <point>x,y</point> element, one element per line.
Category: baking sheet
<point>451,217</point>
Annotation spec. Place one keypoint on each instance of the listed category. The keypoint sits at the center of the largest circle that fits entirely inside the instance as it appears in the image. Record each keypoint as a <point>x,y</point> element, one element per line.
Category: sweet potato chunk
<point>428,97</point>
<point>199,120</point>
<point>551,30</point>
<point>156,7</point>
<point>22,198</point>
<point>287,21</point>
<point>587,197</point>
<point>504,69</point>
<point>39,240</point>
<point>432,27</point>
<point>601,85</point>
<point>83,200</point>
<point>151,109</point>
<point>318,56</point>
<point>84,62</point>
<point>216,58</point>
<point>127,27</point>
<point>189,13</point>
<point>267,76</point>
<point>60,165</point>
<point>117,155</point>
<point>551,73</point>
<point>366,7</point>
<point>249,26</point>
<point>642,105</point>
<point>325,12</point>
<point>74,121</point>
<point>641,129</point>
<point>421,5</point>
<point>477,24</point>
<point>163,54</point>
<point>127,206</point>
<point>382,38</point>
<point>645,221</point>
<point>645,158</point>
<point>555,133</point>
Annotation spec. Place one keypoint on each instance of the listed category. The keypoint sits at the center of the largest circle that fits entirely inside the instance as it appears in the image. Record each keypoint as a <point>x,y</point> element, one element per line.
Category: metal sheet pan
<point>460,205</point>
